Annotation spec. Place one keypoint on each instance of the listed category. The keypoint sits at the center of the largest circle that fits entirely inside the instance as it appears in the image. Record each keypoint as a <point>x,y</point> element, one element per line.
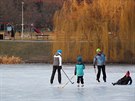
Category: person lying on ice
<point>79,67</point>
<point>126,80</point>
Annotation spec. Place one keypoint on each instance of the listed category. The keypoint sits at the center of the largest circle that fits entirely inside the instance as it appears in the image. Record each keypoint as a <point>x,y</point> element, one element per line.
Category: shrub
<point>10,60</point>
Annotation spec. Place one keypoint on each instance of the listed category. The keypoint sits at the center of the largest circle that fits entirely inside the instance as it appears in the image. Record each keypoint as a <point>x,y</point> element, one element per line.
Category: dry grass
<point>10,60</point>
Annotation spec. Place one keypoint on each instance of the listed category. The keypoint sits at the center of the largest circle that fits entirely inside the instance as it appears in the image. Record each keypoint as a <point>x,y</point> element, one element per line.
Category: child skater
<point>79,67</point>
<point>126,80</point>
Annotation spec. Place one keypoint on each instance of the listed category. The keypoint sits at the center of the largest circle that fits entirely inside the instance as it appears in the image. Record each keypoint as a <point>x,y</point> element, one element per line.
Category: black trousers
<point>103,72</point>
<point>80,79</point>
<point>58,68</point>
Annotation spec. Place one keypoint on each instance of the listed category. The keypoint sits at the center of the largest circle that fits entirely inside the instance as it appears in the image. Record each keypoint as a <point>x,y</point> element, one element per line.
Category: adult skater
<point>100,60</point>
<point>124,80</point>
<point>79,67</point>
<point>57,65</point>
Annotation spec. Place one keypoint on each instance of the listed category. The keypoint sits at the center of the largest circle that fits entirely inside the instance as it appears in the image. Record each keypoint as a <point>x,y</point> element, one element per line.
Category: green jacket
<point>79,67</point>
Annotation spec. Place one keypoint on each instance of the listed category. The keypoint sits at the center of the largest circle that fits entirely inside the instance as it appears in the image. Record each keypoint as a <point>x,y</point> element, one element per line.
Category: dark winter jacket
<point>125,80</point>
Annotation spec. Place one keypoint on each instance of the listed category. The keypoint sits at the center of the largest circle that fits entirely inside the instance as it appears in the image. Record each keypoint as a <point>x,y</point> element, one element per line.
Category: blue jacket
<point>99,59</point>
<point>79,67</point>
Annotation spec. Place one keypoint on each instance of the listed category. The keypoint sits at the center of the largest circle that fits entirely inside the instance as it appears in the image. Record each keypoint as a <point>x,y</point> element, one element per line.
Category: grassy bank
<point>43,51</point>
<point>28,51</point>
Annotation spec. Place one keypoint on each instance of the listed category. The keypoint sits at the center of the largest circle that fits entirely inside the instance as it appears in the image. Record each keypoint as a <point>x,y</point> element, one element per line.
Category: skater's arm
<point>94,61</point>
<point>94,66</point>
<point>60,61</point>
<point>75,71</point>
<point>130,81</point>
<point>83,66</point>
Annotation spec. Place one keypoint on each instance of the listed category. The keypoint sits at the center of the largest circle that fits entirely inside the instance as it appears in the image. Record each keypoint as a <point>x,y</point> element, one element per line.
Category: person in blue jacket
<point>100,60</point>
<point>79,67</point>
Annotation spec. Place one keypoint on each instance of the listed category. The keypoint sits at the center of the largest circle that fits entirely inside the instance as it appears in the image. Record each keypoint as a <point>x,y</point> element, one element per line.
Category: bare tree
<point>38,12</point>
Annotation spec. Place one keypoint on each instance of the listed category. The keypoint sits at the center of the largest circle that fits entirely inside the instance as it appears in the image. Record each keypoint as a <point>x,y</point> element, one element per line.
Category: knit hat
<point>59,51</point>
<point>79,59</point>
<point>128,73</point>
<point>98,50</point>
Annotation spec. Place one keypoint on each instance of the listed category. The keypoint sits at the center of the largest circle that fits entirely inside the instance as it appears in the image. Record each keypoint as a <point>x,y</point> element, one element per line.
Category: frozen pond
<point>30,82</point>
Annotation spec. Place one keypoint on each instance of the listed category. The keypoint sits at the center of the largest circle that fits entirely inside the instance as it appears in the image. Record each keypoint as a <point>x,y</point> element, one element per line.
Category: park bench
<point>42,35</point>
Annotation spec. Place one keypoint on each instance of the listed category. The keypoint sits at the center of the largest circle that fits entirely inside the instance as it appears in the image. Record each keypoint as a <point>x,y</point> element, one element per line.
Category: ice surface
<point>30,82</point>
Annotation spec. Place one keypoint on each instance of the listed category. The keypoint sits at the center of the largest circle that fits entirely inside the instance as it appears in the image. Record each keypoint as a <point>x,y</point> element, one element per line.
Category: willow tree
<point>84,25</point>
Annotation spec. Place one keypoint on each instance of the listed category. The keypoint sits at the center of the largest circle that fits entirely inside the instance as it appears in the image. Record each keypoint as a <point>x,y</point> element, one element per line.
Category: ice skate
<point>98,80</point>
<point>113,84</point>
<point>82,85</point>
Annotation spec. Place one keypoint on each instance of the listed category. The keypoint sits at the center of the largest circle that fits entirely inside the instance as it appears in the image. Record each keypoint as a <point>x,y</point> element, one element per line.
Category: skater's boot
<point>98,80</point>
<point>51,82</point>
<point>78,85</point>
<point>113,84</point>
<point>104,80</point>
<point>82,85</point>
